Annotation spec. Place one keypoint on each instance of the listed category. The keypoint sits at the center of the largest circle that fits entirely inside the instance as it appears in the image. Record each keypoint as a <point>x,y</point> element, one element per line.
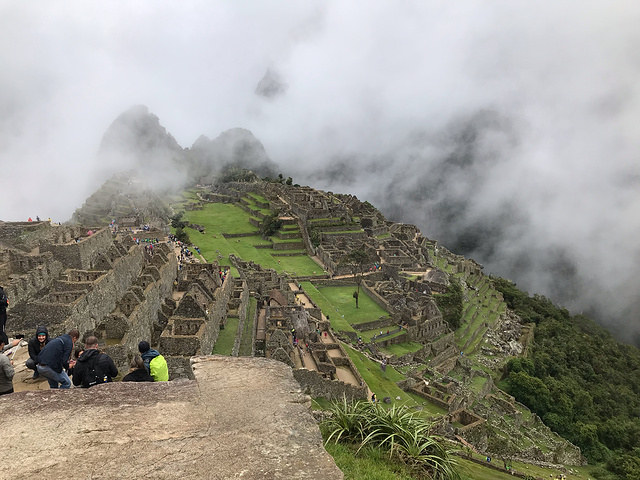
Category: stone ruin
<point>320,363</point>
<point>107,285</point>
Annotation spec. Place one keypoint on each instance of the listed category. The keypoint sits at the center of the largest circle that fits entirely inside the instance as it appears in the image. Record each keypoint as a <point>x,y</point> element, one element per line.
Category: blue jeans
<point>55,378</point>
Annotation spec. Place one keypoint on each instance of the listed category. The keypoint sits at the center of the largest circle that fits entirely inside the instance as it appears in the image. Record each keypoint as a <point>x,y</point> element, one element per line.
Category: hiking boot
<point>35,375</point>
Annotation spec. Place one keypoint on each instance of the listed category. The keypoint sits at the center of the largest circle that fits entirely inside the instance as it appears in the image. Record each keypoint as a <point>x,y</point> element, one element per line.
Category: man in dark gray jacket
<point>54,358</point>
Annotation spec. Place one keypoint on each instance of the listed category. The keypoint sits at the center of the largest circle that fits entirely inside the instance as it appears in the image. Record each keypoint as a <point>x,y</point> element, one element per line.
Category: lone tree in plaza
<point>357,260</point>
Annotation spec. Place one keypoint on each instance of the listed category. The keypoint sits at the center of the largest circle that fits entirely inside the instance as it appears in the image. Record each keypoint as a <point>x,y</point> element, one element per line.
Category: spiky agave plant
<point>427,452</point>
<point>408,437</point>
<point>397,430</point>
<point>384,425</point>
<point>347,422</point>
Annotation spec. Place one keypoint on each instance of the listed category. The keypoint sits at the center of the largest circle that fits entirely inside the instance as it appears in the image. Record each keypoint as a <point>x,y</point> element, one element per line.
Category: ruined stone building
<point>109,286</point>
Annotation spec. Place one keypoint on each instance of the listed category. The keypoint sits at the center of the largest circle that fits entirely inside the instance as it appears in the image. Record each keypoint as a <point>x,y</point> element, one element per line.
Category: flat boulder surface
<point>241,418</point>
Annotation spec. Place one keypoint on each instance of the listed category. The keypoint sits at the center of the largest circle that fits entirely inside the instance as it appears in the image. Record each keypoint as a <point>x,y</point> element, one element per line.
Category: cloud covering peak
<point>508,130</point>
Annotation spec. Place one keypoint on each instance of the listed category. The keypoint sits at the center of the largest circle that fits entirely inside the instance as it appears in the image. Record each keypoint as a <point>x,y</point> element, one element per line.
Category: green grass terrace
<point>221,218</point>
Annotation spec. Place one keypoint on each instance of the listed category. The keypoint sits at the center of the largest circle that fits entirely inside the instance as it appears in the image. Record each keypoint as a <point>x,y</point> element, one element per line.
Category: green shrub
<point>397,431</point>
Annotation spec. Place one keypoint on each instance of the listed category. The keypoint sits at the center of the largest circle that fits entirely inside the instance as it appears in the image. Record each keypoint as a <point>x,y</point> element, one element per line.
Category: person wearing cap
<point>154,362</point>
<point>54,357</point>
<point>36,344</point>
<point>6,369</point>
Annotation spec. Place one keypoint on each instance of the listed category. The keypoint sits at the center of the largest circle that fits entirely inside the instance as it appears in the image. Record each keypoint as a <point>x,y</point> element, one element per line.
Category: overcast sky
<point>380,83</point>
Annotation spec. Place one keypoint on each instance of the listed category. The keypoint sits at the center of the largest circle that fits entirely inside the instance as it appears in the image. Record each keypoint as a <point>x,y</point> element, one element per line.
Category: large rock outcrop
<point>241,418</point>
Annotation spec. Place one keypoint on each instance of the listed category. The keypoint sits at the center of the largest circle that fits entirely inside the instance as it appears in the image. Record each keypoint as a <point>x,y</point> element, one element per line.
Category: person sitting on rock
<point>154,362</point>
<point>138,371</point>
<point>72,363</point>
<point>6,369</point>
<point>36,343</point>
<point>93,366</point>
<point>53,359</point>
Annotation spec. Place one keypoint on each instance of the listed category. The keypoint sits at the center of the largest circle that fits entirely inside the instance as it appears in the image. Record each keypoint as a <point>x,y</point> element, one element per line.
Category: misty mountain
<point>123,195</point>
<point>236,147</point>
<point>137,134</point>
<point>459,185</point>
<point>137,141</point>
<point>271,85</point>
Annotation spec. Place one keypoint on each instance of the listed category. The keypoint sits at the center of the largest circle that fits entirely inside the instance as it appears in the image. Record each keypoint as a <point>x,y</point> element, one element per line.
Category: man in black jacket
<point>93,367</point>
<point>36,344</point>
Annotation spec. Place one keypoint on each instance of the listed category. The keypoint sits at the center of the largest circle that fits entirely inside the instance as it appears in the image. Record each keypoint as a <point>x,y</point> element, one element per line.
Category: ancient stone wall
<point>381,324</point>
<point>87,312</point>
<point>314,384</point>
<point>305,236</point>
<point>23,289</point>
<point>144,320</point>
<point>81,255</point>
<point>24,235</point>
<point>403,337</point>
<point>367,287</point>
<point>436,401</point>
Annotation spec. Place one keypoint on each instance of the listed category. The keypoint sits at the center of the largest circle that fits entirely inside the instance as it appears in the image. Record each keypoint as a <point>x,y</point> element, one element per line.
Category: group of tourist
<point>51,359</point>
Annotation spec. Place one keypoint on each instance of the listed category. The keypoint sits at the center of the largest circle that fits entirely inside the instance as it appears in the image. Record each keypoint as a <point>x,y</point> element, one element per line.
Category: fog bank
<point>505,130</point>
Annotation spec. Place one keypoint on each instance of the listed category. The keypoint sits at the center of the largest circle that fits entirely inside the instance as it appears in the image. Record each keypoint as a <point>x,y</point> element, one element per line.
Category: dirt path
<point>337,277</point>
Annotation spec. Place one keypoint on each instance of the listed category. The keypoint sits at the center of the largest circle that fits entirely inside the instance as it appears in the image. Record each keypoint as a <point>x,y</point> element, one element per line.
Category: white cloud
<point>363,79</point>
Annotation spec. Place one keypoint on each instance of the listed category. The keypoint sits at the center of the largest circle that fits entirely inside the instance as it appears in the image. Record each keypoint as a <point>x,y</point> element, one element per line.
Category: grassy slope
<point>224,344</point>
<point>219,218</point>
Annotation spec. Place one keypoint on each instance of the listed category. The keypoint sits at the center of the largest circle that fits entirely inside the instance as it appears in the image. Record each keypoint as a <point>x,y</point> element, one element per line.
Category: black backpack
<point>93,374</point>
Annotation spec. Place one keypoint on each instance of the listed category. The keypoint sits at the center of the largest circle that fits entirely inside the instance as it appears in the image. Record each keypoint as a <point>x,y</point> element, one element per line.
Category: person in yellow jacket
<point>154,362</point>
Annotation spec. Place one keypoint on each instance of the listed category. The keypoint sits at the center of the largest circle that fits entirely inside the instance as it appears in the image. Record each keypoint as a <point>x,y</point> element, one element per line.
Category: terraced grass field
<point>219,218</point>
<point>224,344</point>
<point>344,305</point>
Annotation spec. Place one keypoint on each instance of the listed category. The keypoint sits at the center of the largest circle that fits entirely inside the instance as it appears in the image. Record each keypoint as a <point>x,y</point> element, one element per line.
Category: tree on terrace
<point>357,260</point>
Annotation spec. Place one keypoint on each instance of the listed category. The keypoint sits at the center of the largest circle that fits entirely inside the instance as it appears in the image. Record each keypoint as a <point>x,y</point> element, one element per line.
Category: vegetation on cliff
<point>450,304</point>
<point>582,382</point>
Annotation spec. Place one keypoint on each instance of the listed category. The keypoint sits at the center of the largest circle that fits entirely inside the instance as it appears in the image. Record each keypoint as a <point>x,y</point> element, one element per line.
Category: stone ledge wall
<point>432,399</point>
<point>289,246</point>
<point>81,255</point>
<point>381,324</point>
<point>375,296</point>
<point>314,384</point>
<point>179,367</point>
